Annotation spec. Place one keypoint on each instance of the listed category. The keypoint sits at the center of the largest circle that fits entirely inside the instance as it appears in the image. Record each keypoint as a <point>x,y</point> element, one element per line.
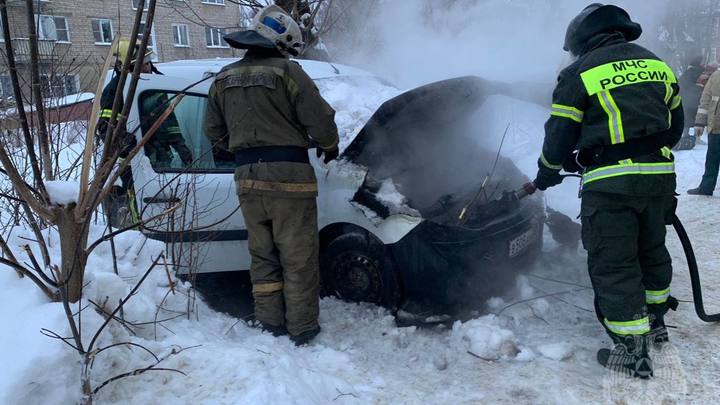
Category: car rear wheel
<point>354,266</point>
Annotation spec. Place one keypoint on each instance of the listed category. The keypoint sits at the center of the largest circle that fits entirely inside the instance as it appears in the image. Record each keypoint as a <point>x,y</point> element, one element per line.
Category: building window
<point>214,37</point>
<point>151,40</point>
<point>136,2</point>
<point>6,89</point>
<point>220,2</point>
<point>53,28</point>
<point>102,30</point>
<point>180,35</point>
<point>60,86</point>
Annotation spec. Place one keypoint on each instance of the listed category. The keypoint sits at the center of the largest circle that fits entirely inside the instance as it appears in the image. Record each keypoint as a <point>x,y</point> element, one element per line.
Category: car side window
<point>179,143</point>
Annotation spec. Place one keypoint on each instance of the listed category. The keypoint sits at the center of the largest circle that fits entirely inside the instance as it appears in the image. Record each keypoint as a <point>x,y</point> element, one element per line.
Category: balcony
<point>46,50</point>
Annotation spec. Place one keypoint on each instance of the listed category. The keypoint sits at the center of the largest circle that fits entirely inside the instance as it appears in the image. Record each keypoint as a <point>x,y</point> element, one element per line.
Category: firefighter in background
<point>265,109</point>
<point>158,148</point>
<point>168,136</point>
<point>618,105</point>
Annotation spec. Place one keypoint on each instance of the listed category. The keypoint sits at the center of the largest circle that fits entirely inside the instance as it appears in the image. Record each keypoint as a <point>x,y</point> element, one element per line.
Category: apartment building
<point>75,37</point>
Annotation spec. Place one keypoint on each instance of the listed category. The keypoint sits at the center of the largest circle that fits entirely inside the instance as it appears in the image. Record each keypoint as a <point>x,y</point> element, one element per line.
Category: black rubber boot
<point>305,337</point>
<point>658,331</point>
<point>699,191</point>
<point>276,331</point>
<point>629,357</point>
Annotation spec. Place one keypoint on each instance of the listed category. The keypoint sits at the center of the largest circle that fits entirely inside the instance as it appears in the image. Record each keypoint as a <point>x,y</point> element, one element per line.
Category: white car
<point>388,209</point>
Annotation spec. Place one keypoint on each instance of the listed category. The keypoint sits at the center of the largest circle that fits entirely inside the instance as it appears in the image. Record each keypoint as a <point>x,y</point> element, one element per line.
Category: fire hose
<point>530,188</point>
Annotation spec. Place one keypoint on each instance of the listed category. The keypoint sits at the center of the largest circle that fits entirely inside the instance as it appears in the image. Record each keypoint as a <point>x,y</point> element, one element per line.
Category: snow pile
<point>556,351</point>
<point>486,338</point>
<point>62,192</point>
<point>355,100</point>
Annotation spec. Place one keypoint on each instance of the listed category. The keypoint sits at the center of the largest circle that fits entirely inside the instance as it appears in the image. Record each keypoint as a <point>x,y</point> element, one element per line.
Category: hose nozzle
<point>526,190</point>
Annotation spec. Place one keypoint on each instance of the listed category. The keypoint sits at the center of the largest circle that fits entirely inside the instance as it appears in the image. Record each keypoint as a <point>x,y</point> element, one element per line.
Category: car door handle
<point>161,200</point>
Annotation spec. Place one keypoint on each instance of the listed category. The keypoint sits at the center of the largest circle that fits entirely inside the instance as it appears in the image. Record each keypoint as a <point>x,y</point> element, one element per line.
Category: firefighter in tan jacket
<point>265,110</point>
<point>708,115</point>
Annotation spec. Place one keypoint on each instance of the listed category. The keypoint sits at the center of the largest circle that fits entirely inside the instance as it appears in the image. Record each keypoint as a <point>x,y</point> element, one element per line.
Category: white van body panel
<point>206,232</point>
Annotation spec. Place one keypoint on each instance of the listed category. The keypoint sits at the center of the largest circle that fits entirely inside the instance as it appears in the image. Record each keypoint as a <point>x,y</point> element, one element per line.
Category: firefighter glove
<point>331,154</point>
<point>547,178</point>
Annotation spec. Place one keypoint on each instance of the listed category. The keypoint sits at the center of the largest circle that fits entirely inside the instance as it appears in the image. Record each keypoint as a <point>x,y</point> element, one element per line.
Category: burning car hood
<point>432,147</point>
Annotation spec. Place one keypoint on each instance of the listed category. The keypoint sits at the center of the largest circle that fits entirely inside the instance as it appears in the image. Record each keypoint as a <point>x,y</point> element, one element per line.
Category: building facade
<point>75,36</point>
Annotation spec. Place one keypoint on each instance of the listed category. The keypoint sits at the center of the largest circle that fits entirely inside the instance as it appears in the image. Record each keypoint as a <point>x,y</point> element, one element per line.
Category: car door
<point>184,192</point>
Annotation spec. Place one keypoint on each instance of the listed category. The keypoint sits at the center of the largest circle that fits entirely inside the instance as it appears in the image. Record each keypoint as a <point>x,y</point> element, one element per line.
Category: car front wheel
<point>355,267</point>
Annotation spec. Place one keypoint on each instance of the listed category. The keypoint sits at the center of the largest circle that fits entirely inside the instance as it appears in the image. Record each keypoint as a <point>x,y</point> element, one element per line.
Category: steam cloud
<point>412,42</point>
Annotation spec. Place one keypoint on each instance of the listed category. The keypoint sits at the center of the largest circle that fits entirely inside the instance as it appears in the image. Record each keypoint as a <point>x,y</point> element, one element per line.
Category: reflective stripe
<point>565,111</point>
<point>105,113</point>
<point>173,130</point>
<point>625,169</point>
<point>267,288</point>
<point>276,186</point>
<point>617,133</point>
<point>637,327</point>
<point>668,93</point>
<point>657,296</point>
<point>675,102</point>
<point>666,152</point>
<point>624,73</point>
<point>548,164</point>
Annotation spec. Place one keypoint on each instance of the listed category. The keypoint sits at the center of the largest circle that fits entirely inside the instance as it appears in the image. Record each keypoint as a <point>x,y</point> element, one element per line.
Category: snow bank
<point>63,192</point>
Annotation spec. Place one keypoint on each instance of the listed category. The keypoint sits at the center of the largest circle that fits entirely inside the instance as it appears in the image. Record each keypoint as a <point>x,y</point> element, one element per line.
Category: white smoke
<point>412,42</point>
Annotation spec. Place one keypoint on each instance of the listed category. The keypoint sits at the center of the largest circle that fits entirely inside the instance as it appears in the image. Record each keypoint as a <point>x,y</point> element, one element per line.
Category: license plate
<point>520,243</point>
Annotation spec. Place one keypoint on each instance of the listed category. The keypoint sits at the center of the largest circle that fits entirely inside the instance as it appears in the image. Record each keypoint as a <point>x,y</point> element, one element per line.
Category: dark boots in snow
<point>699,191</point>
<point>629,357</point>
<point>305,337</point>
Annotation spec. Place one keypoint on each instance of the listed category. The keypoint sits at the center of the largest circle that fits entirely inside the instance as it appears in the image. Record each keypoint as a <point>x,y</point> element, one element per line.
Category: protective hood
<point>598,19</point>
<point>247,40</point>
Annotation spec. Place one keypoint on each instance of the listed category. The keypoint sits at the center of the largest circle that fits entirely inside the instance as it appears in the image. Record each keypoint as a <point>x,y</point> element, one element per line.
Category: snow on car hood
<point>354,99</point>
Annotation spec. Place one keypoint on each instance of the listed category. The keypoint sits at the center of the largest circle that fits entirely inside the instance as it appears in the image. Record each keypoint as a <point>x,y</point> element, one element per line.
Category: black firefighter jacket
<point>615,92</point>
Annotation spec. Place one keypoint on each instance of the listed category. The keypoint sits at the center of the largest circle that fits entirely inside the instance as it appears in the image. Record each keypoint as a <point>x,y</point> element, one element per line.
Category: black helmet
<point>596,19</point>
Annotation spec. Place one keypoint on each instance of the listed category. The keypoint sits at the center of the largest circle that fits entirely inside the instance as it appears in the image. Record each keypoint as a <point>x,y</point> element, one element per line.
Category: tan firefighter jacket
<point>269,101</point>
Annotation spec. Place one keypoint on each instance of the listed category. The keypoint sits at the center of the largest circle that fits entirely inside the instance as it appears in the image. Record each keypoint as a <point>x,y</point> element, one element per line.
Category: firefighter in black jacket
<point>616,111</point>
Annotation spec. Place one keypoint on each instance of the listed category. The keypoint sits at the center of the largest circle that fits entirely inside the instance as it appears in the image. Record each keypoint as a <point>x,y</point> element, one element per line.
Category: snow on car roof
<point>353,93</point>
<point>198,67</point>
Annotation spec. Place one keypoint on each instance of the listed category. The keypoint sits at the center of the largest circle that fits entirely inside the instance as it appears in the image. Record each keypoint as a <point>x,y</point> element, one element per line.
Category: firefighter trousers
<point>629,266</point>
<point>283,242</point>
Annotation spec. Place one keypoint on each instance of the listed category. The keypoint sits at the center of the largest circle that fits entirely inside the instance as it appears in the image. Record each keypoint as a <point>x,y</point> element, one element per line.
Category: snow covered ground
<point>529,350</point>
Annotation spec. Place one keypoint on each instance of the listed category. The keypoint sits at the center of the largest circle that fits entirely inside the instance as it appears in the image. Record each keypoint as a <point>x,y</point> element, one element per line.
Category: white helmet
<point>273,23</point>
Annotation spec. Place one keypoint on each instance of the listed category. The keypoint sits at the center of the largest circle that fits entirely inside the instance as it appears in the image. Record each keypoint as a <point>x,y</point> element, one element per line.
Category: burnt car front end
<point>476,235</point>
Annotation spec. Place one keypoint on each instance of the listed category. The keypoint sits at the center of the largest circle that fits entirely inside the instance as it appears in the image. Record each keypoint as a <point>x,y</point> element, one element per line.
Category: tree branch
<point>35,87</point>
<point>111,235</point>
<point>17,93</point>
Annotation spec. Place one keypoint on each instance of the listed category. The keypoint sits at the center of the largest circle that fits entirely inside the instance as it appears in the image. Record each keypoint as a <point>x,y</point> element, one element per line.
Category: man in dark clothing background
<point>619,109</point>
<point>265,110</point>
<point>690,91</point>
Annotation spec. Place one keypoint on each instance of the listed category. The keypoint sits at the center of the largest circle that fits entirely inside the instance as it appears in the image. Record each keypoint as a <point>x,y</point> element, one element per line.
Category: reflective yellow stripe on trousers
<point>636,327</point>
<point>657,296</point>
